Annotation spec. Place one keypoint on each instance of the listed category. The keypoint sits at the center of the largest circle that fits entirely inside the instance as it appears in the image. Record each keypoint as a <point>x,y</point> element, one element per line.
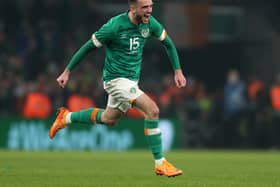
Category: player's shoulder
<point>155,25</point>
<point>153,20</point>
<point>118,19</point>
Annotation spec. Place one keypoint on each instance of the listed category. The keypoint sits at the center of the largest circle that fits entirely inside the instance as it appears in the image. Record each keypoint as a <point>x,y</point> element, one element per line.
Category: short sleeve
<point>157,29</point>
<point>104,35</point>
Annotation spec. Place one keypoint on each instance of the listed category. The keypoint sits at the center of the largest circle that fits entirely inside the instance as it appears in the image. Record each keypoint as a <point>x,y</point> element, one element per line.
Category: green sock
<point>87,116</point>
<point>153,135</point>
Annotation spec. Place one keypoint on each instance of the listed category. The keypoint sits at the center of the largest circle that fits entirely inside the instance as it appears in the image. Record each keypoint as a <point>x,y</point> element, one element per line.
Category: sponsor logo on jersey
<point>145,32</point>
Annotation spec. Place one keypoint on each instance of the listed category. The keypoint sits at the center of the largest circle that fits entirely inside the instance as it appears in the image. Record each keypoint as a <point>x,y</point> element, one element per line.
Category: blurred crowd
<point>38,38</point>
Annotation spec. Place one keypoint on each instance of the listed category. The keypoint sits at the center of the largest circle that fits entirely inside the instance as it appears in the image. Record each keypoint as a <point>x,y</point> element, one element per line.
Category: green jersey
<point>124,43</point>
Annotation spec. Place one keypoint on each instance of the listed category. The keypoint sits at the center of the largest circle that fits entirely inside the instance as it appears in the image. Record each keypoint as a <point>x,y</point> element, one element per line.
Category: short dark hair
<point>132,1</point>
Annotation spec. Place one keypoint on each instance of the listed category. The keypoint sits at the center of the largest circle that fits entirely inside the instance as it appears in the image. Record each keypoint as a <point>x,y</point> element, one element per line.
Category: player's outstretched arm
<point>171,51</point>
<point>75,60</point>
<point>63,78</point>
<point>80,54</point>
<point>179,78</point>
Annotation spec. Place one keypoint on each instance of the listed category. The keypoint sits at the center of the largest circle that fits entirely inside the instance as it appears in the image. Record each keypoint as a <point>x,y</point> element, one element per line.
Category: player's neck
<point>132,18</point>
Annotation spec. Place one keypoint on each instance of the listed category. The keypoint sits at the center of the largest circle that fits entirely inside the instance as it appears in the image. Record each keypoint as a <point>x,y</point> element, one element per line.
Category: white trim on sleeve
<point>95,41</point>
<point>163,35</point>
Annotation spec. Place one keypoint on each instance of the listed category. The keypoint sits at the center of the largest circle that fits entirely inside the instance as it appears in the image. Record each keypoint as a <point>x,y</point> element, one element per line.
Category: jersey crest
<point>145,32</point>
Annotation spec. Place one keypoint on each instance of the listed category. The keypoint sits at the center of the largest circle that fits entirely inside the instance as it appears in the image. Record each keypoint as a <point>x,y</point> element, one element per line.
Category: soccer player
<point>124,37</point>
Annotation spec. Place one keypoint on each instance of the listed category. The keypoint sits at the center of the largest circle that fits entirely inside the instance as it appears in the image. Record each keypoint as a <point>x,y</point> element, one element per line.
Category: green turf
<point>135,169</point>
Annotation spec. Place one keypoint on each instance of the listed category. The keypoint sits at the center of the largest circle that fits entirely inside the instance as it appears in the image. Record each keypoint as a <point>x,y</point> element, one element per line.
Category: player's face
<point>143,10</point>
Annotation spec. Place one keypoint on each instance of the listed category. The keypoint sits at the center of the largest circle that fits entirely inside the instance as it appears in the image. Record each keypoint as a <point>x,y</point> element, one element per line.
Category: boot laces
<point>168,166</point>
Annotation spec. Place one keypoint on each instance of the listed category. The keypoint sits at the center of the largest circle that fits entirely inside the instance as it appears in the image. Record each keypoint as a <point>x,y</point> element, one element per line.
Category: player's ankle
<point>158,162</point>
<point>68,118</point>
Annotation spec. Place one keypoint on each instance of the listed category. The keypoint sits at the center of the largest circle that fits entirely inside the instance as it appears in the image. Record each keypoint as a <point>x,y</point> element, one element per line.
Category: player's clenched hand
<point>63,78</point>
<point>180,79</point>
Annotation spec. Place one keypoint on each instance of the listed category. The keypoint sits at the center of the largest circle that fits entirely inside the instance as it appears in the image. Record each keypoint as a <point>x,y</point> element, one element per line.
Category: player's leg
<point>148,107</point>
<point>109,117</point>
<point>65,117</point>
<point>118,103</point>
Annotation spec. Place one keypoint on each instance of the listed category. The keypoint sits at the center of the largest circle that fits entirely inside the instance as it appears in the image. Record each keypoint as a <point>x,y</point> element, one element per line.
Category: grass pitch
<point>135,169</point>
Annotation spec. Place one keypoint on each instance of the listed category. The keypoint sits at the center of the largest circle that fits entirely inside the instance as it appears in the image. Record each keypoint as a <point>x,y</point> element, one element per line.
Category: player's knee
<point>110,122</point>
<point>153,113</point>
